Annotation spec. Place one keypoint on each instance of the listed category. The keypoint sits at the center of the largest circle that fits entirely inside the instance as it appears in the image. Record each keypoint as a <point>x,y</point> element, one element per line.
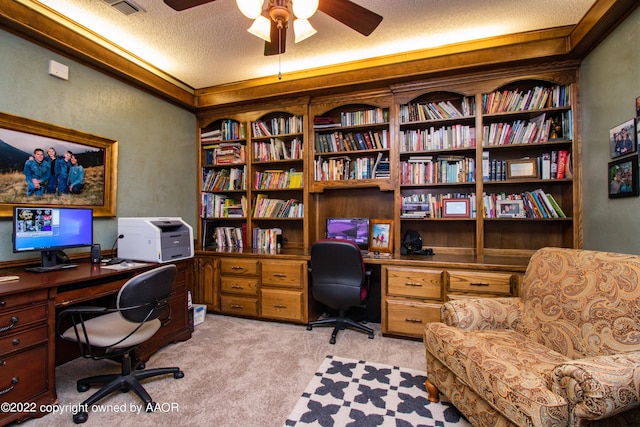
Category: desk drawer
<point>22,340</point>
<point>283,273</point>
<point>9,302</point>
<point>239,285</point>
<point>23,375</point>
<point>480,282</point>
<point>12,320</point>
<point>247,267</point>
<point>415,283</point>
<point>409,318</point>
<point>281,304</point>
<point>239,305</point>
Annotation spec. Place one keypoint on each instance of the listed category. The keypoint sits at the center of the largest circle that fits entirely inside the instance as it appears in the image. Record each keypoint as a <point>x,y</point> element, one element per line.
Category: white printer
<point>154,239</point>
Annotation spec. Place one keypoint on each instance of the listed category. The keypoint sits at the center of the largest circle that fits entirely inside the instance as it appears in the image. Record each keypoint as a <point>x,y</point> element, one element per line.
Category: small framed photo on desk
<point>381,235</point>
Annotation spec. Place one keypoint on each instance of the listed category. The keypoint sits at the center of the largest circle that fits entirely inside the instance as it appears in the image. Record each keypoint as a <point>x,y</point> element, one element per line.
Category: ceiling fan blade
<point>271,48</point>
<point>185,4</point>
<point>352,15</point>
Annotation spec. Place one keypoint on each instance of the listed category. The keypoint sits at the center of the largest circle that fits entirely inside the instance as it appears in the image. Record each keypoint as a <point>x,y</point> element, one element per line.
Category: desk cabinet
<point>25,352</point>
<point>283,290</point>
<point>239,281</point>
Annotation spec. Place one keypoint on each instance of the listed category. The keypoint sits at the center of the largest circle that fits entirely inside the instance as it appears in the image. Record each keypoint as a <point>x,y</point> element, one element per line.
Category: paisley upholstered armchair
<point>564,353</point>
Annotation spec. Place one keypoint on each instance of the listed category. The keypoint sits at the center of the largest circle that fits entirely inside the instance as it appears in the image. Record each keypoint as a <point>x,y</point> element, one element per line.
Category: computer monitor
<point>50,229</point>
<point>355,230</point>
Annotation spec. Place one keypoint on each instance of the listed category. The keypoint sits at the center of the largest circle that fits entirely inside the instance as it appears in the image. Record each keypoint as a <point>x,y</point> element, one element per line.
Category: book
<point>562,163</point>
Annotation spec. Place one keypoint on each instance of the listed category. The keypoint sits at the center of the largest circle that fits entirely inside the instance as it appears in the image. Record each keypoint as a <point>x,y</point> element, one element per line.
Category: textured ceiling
<point>208,45</point>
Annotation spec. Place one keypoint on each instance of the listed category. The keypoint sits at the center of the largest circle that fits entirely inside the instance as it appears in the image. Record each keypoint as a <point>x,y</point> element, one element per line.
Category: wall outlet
<point>58,70</point>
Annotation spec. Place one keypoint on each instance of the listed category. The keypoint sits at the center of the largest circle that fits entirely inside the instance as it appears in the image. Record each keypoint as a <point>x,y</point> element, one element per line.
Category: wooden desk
<point>28,320</point>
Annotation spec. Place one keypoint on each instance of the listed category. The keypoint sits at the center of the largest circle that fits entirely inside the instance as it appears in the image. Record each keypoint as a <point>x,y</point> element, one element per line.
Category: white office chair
<point>109,333</point>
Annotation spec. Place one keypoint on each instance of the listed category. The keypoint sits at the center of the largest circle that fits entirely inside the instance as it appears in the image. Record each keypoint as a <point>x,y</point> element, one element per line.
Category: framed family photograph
<point>623,177</point>
<point>381,238</point>
<point>44,164</point>
<point>510,209</point>
<point>622,139</point>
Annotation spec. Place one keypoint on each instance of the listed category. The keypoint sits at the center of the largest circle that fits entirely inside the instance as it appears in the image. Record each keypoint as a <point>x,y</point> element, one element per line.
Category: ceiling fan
<point>350,14</point>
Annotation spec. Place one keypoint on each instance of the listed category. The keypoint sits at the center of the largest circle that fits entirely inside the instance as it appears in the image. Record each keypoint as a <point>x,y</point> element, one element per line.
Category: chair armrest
<point>600,386</point>
<point>483,313</point>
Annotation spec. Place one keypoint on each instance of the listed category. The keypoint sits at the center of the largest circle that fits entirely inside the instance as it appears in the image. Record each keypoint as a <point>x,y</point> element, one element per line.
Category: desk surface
<point>84,272</point>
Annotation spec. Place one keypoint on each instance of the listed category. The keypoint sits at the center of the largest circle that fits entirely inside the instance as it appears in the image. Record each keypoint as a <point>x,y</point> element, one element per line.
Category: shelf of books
<point>277,190</point>
<point>527,166</point>
<point>223,191</point>
<point>352,148</point>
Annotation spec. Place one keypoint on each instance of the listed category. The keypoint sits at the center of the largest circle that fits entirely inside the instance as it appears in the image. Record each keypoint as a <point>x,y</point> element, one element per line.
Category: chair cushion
<point>504,367</point>
<point>104,331</point>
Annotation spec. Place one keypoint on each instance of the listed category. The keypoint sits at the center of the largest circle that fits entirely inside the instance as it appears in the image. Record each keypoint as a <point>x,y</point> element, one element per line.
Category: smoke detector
<point>126,7</point>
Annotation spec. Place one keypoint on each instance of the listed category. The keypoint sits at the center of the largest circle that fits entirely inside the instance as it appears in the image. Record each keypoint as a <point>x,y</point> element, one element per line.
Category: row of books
<point>431,205</point>
<point>264,207</point>
<point>228,130</point>
<point>444,138</point>
<point>224,179</point>
<point>536,98</point>
<point>441,169</point>
<point>224,153</point>
<point>277,126</point>
<point>277,149</point>
<point>278,179</point>
<point>221,206</point>
<point>229,237</point>
<point>343,168</point>
<point>364,117</point>
<point>266,238</point>
<point>337,141</point>
<point>538,129</point>
<point>536,204</point>
<point>412,112</point>
<point>555,164</point>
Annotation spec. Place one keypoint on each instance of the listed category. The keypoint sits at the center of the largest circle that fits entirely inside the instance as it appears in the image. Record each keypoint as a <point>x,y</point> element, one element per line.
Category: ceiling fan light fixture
<point>303,29</point>
<point>261,27</point>
<point>304,9</point>
<point>250,8</point>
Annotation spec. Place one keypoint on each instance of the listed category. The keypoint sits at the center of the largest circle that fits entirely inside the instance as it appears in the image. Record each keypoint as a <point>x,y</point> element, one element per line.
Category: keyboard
<point>52,268</point>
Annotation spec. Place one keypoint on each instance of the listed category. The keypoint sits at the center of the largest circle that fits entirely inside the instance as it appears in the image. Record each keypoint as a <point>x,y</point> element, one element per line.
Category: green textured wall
<point>610,83</point>
<point>157,140</point>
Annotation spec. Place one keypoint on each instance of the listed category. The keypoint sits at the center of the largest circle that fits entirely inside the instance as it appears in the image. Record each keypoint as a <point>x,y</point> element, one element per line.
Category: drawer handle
<point>236,267</point>
<point>237,306</point>
<point>3,303</point>
<point>14,321</point>
<point>15,341</point>
<point>236,287</point>
<point>414,284</point>
<point>279,275</point>
<point>413,320</point>
<point>478,284</point>
<point>14,381</point>
<point>280,306</point>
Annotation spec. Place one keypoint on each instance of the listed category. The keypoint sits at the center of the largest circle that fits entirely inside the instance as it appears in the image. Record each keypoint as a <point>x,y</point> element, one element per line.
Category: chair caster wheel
<point>178,374</point>
<point>370,336</point>
<point>309,327</point>
<point>82,387</point>
<point>141,366</point>
<point>80,418</point>
<point>332,341</point>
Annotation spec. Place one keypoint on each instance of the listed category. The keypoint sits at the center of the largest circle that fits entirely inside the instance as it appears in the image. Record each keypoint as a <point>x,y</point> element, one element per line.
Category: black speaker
<point>95,254</point>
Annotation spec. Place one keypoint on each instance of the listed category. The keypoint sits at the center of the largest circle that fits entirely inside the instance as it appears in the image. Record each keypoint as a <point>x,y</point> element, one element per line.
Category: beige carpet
<point>238,372</point>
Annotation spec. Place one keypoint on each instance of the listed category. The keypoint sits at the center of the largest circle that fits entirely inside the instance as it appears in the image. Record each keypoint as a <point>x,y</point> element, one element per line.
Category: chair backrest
<point>582,303</point>
<point>337,273</point>
<point>146,296</point>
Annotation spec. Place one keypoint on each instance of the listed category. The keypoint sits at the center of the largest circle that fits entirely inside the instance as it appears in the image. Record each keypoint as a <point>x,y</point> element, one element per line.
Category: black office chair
<point>339,281</point>
<point>104,333</point>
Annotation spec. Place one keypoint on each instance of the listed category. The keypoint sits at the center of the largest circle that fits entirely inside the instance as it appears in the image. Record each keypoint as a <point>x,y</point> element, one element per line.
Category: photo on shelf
<point>522,168</point>
<point>381,235</point>
<point>456,208</point>
<point>510,209</point>
<point>623,177</point>
<point>622,139</point>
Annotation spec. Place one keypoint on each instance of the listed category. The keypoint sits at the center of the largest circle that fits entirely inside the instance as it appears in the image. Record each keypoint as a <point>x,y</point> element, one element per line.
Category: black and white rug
<point>355,393</point>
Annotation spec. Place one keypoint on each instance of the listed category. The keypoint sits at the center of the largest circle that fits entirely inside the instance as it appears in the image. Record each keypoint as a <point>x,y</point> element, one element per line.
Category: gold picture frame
<point>381,235</point>
<point>522,168</point>
<point>19,137</point>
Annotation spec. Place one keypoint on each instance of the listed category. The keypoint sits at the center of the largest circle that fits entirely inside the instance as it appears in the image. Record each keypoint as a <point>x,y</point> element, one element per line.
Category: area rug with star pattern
<point>348,392</point>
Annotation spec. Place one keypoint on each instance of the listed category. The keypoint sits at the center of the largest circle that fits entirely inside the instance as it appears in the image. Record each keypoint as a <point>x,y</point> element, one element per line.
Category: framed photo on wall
<point>381,235</point>
<point>29,148</point>
<point>622,139</point>
<point>623,177</point>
